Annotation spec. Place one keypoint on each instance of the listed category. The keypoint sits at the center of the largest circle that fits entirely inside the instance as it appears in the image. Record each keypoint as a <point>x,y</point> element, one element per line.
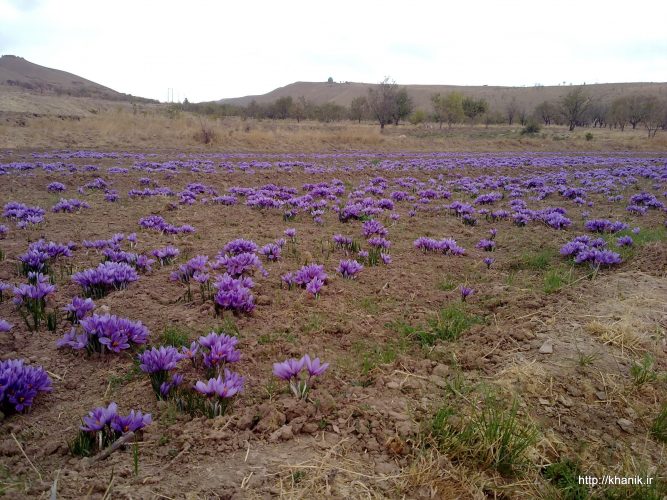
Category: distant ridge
<point>19,73</point>
<point>496,96</point>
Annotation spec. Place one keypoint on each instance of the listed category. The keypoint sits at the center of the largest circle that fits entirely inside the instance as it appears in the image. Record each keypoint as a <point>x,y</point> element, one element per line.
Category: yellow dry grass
<point>620,334</point>
<point>154,127</point>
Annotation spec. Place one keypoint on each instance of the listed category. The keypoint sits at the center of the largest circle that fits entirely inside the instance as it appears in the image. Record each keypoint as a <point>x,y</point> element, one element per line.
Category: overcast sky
<point>207,50</point>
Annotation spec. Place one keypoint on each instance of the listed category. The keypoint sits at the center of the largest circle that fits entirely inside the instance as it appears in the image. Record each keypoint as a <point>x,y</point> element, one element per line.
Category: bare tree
<point>523,116</point>
<point>511,110</point>
<point>618,112</point>
<point>637,108</point>
<point>573,105</point>
<point>598,114</point>
<point>403,106</point>
<point>654,114</point>
<point>298,109</point>
<point>358,108</point>
<point>382,101</point>
<point>546,111</point>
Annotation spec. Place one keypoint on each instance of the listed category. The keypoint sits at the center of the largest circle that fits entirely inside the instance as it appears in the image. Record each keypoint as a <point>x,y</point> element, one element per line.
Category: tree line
<point>387,103</point>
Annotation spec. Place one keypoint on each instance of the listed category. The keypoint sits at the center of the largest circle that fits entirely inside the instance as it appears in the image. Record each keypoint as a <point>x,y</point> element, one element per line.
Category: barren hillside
<point>498,97</point>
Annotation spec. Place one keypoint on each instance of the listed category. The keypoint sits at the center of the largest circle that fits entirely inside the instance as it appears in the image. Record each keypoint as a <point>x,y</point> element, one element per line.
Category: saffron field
<point>386,325</point>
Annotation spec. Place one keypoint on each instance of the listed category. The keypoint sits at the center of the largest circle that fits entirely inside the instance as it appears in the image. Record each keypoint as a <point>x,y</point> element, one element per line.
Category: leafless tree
<point>573,105</point>
<point>511,110</point>
<point>358,108</point>
<point>382,101</point>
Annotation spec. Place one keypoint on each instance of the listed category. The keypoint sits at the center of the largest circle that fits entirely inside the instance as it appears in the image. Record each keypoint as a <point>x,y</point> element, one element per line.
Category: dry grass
<point>620,334</point>
<point>154,127</point>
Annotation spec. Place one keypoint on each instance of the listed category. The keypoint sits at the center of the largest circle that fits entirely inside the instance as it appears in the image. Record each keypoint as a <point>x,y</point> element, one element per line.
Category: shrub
<point>531,128</point>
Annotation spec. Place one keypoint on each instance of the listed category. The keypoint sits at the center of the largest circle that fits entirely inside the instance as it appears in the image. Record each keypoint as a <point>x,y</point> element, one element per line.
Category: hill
<point>497,97</point>
<point>18,73</point>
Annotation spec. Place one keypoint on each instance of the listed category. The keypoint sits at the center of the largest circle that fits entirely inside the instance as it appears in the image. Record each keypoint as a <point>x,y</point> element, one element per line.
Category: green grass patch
<point>174,335</point>
<point>272,338</point>
<point>534,261</point>
<point>564,475</point>
<point>556,279</point>
<point>370,305</point>
<point>448,324</point>
<point>659,427</point>
<point>643,372</point>
<point>491,436</point>
<point>447,285</point>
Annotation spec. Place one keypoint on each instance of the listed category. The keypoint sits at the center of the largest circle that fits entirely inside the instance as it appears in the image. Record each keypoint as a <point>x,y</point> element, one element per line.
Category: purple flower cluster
<point>290,370</point>
<point>240,264</point>
<point>349,268</point>
<point>105,332</point>
<point>56,187</point>
<point>219,349</point>
<point>109,423</point>
<point>78,308</point>
<point>624,241</point>
<point>445,245</point>
<point>239,246</point>
<point>486,245</point>
<point>20,384</point>
<point>234,294</point>
<point>38,289</point>
<point>69,206</point>
<point>342,241</point>
<point>604,226</point>
<point>271,251</point>
<point>23,214</point>
<point>162,359</point>
<point>587,250</point>
<point>105,277</point>
<point>40,254</point>
<point>157,223</point>
<point>158,362</point>
<point>196,264</point>
<point>138,261</point>
<point>373,228</point>
<point>165,255</point>
<point>223,387</point>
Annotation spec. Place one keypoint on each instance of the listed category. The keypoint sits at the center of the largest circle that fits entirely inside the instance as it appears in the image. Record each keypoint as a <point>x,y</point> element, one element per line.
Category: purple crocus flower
<point>74,340</point>
<point>288,369</point>
<point>290,233</point>
<point>20,384</point>
<point>315,367</point>
<point>99,417</point>
<point>314,286</point>
<point>221,349</point>
<point>488,261</point>
<point>486,245</point>
<point>466,292</point>
<point>349,268</point>
<point>624,241</point>
<point>5,326</point>
<point>78,308</point>
<point>223,387</point>
<point>271,251</point>
<point>162,359</point>
<point>131,423</point>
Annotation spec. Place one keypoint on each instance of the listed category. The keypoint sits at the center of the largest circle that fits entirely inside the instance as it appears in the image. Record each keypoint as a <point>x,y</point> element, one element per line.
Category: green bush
<point>531,128</point>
